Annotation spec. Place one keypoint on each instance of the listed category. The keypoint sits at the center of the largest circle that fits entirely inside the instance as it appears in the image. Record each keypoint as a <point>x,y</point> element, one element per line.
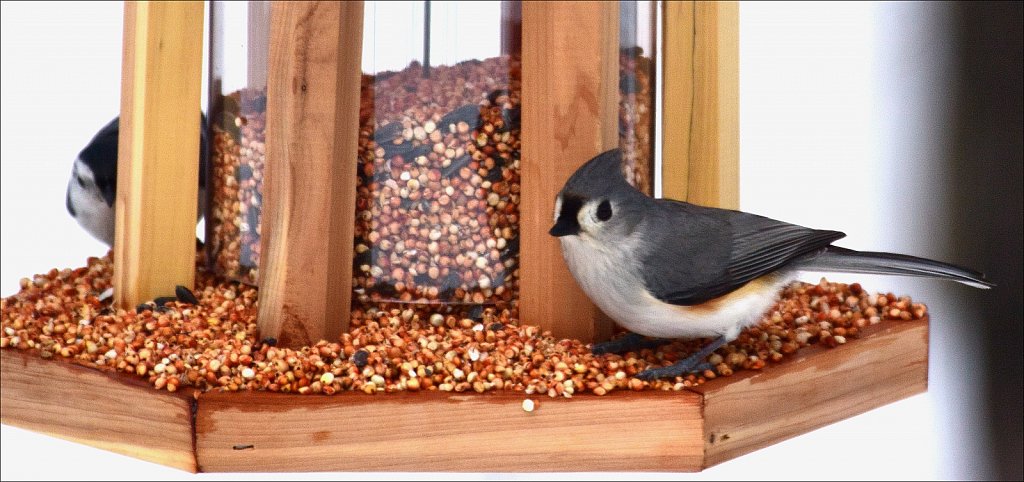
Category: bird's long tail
<point>842,260</point>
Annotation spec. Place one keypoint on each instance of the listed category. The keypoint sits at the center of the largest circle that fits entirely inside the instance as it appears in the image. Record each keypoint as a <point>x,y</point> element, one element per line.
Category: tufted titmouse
<point>670,269</point>
<point>93,184</point>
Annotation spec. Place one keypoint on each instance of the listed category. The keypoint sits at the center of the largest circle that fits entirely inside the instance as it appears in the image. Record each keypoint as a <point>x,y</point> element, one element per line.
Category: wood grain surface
<point>820,386</point>
<point>158,151</point>
<point>700,103</point>
<point>570,114</point>
<point>310,187</point>
<point>107,411</point>
<point>449,432</point>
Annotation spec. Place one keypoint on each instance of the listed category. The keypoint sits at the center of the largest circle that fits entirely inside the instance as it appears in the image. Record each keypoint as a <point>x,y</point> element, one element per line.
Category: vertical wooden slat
<point>309,199</point>
<point>570,114</point>
<point>677,97</point>
<point>700,150</point>
<point>158,171</point>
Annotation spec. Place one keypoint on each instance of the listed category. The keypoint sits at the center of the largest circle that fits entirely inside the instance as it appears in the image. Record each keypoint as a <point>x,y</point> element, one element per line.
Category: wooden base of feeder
<point>433,431</point>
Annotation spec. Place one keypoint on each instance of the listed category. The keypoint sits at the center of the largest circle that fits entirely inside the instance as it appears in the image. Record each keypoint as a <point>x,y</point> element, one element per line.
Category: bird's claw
<point>629,342</point>
<point>611,346</point>
<point>679,369</point>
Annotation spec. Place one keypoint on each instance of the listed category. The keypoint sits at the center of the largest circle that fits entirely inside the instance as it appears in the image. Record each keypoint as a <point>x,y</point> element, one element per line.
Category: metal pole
<point>426,39</point>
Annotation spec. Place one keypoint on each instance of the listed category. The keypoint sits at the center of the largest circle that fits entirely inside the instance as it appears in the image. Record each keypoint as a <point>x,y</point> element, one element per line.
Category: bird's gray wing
<point>703,253</point>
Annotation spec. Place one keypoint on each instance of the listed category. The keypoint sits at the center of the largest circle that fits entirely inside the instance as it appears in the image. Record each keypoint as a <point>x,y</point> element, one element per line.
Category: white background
<point>844,113</point>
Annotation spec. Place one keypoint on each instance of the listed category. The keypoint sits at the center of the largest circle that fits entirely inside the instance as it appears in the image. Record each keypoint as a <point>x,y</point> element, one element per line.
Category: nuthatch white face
<point>670,269</point>
<point>92,188</point>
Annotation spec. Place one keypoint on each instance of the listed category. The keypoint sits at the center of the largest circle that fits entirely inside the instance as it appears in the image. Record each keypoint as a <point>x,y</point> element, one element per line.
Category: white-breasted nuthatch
<point>93,184</point>
<point>670,269</point>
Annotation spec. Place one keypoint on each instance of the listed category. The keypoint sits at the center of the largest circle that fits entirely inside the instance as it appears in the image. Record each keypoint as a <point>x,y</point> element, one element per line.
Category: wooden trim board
<point>821,386</point>
<point>310,187</point>
<point>570,114</point>
<point>113,412</point>
<point>433,431</point>
<point>700,103</point>
<point>447,432</point>
<point>158,171</point>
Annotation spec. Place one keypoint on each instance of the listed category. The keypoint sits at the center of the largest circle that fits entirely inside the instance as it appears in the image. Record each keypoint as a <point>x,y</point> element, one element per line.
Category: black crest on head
<point>599,176</point>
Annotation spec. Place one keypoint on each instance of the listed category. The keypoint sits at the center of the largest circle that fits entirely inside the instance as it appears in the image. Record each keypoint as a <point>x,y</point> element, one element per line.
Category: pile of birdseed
<point>437,196</point>
<point>238,161</point>
<point>214,345</point>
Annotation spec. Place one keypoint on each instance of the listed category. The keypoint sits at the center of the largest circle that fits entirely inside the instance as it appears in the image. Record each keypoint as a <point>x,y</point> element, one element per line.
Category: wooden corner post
<point>700,106</point>
<point>570,114</point>
<point>310,187</point>
<point>158,150</point>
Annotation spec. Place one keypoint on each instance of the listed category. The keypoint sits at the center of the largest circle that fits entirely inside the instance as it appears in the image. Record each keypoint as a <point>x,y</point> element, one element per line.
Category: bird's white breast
<point>611,277</point>
<point>91,210</point>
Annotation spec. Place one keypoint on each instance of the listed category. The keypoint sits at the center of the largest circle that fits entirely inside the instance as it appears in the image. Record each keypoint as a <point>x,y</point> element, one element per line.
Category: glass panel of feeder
<point>239,48</point>
<point>636,91</point>
<point>438,188</point>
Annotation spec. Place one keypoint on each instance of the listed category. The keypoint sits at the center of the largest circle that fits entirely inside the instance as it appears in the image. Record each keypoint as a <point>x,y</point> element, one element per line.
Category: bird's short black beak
<point>562,228</point>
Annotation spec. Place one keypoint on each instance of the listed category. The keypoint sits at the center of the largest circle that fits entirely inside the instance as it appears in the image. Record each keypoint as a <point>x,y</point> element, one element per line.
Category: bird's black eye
<point>604,210</point>
<point>81,182</point>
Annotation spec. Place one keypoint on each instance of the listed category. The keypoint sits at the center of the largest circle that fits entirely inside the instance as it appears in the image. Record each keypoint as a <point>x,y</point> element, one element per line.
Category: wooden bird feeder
<point>570,67</point>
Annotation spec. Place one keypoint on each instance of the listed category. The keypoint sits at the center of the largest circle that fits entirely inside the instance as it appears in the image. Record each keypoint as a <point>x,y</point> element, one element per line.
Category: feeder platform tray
<point>433,431</point>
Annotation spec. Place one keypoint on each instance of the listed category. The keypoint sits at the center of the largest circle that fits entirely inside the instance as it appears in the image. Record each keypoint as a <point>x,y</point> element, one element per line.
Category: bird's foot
<point>692,364</point>
<point>679,369</point>
<point>630,342</point>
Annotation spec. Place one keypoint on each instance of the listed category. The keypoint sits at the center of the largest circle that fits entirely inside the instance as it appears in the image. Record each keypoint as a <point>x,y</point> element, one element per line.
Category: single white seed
<point>528,405</point>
